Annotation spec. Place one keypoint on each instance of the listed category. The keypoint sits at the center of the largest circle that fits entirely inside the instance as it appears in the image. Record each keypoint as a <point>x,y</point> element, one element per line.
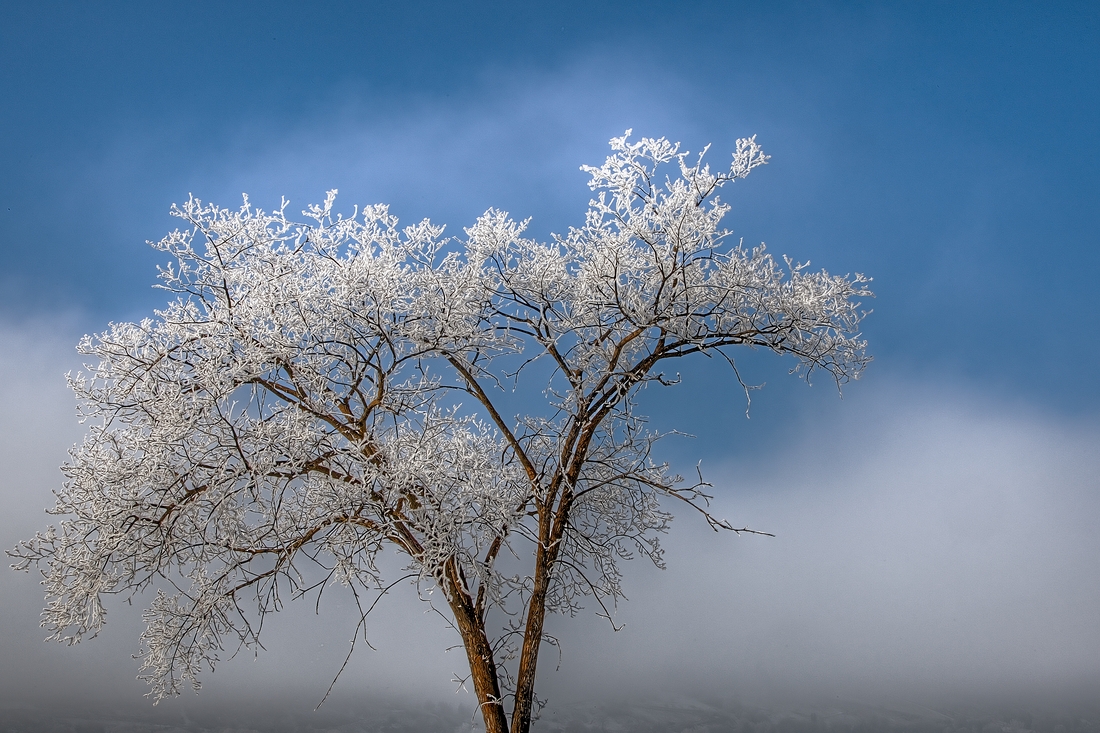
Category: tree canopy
<point>317,392</point>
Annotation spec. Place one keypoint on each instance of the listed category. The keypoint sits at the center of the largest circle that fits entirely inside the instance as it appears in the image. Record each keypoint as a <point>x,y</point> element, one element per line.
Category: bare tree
<point>305,402</point>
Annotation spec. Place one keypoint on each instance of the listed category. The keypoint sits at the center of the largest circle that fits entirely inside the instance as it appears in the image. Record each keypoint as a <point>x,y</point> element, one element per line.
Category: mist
<point>934,548</point>
<point>931,547</point>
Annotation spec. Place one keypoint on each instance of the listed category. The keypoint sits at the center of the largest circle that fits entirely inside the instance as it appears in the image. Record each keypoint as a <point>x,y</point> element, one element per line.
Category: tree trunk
<point>483,668</point>
<point>532,639</point>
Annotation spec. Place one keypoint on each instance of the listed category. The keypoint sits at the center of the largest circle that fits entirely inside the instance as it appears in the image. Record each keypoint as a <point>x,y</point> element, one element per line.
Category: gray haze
<point>933,548</point>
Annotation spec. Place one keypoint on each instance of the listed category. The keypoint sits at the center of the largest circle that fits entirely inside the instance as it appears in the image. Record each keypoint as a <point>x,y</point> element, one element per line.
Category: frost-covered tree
<point>317,393</point>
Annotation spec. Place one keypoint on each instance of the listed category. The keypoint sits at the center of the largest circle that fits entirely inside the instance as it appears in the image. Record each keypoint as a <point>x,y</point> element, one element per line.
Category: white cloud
<point>929,545</point>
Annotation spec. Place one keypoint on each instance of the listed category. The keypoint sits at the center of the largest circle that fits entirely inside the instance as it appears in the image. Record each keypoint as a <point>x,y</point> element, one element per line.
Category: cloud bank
<point>932,547</point>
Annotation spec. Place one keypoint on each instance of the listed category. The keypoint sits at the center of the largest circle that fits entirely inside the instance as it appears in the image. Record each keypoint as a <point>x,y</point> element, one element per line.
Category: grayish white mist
<point>932,547</point>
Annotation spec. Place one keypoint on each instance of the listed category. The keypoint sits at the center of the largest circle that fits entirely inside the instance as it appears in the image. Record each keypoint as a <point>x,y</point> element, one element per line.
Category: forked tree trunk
<point>479,652</point>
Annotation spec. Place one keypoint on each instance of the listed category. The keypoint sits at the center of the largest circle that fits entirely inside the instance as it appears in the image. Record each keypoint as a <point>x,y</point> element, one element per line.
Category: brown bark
<point>532,640</point>
<point>483,669</point>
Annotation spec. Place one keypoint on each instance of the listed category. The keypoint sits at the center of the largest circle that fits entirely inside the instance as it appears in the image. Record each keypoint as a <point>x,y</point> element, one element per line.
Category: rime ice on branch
<point>292,412</point>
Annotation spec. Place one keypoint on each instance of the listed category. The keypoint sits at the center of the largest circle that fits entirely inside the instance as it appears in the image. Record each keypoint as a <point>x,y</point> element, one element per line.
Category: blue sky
<point>948,150</point>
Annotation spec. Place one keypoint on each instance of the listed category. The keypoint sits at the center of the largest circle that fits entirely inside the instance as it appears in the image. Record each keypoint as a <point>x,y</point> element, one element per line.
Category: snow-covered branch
<point>316,392</point>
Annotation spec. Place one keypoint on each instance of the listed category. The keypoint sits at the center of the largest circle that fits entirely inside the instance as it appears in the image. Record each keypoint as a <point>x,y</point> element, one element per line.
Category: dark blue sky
<point>948,150</point>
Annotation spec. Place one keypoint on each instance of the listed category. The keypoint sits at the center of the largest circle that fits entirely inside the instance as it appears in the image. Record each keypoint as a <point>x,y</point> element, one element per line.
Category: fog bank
<point>930,546</point>
<point>932,549</point>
